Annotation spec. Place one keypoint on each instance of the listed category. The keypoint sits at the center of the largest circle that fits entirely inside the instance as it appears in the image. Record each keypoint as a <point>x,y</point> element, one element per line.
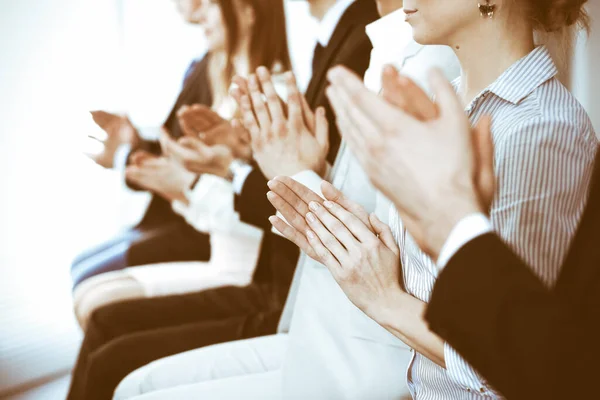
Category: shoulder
<point>550,114</point>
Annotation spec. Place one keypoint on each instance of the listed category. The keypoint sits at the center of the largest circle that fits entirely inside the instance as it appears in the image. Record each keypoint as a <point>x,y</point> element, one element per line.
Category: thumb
<point>385,233</point>
<point>322,129</point>
<point>485,179</point>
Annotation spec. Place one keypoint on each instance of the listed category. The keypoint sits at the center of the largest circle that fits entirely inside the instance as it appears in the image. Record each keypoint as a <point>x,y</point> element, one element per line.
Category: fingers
<point>309,116</point>
<point>294,236</point>
<point>323,255</point>
<point>445,95</point>
<point>296,188</point>
<point>295,113</point>
<point>140,157</point>
<point>347,228</point>
<point>327,239</point>
<point>291,214</point>
<point>321,129</point>
<point>334,195</point>
<point>273,100</point>
<point>256,96</point>
<point>484,155</point>
<point>241,84</point>
<point>385,234</point>
<point>364,108</point>
<point>404,93</point>
<point>346,126</point>
<point>249,119</point>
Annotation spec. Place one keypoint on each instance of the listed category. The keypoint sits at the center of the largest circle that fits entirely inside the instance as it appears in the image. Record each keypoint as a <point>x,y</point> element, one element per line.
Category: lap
<point>141,314</point>
<point>263,386</point>
<point>176,241</point>
<point>226,360</point>
<point>106,366</point>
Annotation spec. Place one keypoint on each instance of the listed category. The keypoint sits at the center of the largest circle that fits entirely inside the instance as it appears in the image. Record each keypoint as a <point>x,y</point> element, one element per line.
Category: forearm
<point>403,316</point>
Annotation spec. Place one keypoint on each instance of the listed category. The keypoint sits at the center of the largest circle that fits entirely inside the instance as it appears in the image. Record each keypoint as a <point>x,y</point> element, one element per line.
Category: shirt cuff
<point>239,178</point>
<point>120,157</point>
<point>464,231</point>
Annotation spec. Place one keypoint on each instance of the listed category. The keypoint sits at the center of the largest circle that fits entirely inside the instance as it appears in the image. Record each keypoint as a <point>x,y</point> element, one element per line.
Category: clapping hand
<point>160,175</point>
<point>423,156</point>
<point>197,157</point>
<point>119,130</point>
<point>200,122</point>
<point>358,249</point>
<point>284,142</point>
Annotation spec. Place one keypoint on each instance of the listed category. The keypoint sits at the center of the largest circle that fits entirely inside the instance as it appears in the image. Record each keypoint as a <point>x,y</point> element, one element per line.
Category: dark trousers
<point>125,336</point>
<point>173,241</point>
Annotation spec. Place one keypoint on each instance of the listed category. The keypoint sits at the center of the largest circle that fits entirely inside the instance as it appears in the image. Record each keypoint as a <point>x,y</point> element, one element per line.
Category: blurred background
<point>58,60</point>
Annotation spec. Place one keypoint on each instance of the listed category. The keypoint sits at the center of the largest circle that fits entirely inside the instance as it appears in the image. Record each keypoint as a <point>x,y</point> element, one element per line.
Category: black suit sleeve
<point>151,146</point>
<point>252,203</point>
<point>527,341</point>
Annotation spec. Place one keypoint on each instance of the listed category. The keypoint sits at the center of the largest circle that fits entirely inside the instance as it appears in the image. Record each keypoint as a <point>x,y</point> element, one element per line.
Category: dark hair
<point>554,15</point>
<point>268,41</point>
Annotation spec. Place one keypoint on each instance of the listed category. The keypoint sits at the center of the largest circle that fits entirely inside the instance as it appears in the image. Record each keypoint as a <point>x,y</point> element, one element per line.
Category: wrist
<point>444,217</point>
<point>387,311</point>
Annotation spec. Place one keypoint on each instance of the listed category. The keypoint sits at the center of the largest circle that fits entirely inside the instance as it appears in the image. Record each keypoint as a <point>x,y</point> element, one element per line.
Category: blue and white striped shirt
<point>544,152</point>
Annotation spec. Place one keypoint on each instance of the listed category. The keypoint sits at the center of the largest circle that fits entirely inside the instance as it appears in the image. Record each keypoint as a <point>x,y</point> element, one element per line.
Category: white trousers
<point>238,368</point>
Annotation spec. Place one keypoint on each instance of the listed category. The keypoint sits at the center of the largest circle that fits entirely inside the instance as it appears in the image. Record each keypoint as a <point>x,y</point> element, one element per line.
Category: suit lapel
<point>342,30</point>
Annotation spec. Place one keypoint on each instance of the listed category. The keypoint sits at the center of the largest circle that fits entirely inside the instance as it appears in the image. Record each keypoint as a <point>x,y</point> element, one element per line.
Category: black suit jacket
<point>527,341</point>
<point>349,46</point>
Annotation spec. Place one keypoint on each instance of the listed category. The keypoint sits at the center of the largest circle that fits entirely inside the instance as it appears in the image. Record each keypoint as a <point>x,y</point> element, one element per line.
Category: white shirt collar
<point>332,17</point>
<point>391,37</point>
<point>391,30</point>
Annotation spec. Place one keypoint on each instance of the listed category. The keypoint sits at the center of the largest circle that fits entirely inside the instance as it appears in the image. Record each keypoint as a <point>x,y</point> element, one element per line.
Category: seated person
<point>164,235</point>
<point>331,349</point>
<point>123,336</point>
<point>543,159</point>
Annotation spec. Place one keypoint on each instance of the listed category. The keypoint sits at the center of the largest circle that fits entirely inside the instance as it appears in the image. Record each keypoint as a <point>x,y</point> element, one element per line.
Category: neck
<point>240,60</point>
<point>318,8</point>
<point>483,61</point>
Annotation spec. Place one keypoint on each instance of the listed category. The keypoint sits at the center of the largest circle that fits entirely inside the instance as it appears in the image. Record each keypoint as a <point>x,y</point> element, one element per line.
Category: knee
<point>103,290</point>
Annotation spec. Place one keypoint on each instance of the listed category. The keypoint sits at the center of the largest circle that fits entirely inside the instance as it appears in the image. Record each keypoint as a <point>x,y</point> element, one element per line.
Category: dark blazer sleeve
<point>252,203</point>
<point>527,341</point>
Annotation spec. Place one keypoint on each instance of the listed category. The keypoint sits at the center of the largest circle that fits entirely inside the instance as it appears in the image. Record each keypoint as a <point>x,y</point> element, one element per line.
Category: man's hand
<point>283,144</point>
<point>160,175</point>
<point>119,130</point>
<point>197,157</point>
<point>199,121</point>
<point>425,160</point>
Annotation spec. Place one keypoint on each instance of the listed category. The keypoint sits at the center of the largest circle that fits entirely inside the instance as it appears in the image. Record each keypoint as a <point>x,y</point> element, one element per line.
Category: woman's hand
<point>357,248</point>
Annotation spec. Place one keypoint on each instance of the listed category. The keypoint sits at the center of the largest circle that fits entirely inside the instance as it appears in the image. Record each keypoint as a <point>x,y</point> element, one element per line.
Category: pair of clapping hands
<point>209,145</point>
<point>423,155</point>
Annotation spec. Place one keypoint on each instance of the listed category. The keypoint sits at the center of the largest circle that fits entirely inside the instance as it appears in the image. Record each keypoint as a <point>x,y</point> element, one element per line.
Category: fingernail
<point>270,184</point>
<point>328,204</point>
<point>313,205</point>
<point>272,219</point>
<point>270,195</point>
<point>311,217</point>
<point>310,234</point>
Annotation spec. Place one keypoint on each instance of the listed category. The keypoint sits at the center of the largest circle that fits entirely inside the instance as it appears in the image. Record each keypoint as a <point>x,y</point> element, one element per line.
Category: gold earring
<point>487,10</point>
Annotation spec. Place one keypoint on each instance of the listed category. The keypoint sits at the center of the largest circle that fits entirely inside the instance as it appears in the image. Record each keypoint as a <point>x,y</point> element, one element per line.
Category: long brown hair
<point>268,42</point>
